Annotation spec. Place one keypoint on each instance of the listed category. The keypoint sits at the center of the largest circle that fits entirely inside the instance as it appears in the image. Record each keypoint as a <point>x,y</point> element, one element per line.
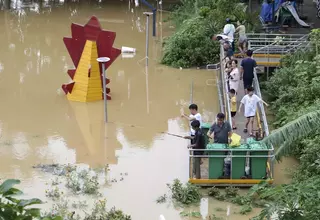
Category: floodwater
<point>39,125</point>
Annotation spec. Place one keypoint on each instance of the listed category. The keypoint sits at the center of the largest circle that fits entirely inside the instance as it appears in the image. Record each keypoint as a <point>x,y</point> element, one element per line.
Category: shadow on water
<point>39,125</point>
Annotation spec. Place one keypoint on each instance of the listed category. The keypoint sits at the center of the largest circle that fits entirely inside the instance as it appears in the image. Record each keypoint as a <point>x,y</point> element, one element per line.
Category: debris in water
<point>78,179</point>
<point>228,210</point>
<point>54,193</point>
<point>162,199</point>
<point>191,214</point>
<point>79,204</point>
<point>55,169</point>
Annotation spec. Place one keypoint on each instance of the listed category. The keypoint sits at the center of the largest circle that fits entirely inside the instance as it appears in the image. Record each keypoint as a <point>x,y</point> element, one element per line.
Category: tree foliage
<point>196,21</point>
<point>18,209</point>
<point>293,91</point>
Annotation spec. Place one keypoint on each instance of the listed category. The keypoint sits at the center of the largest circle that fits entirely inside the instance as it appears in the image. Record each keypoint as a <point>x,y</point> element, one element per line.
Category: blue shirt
<point>248,64</point>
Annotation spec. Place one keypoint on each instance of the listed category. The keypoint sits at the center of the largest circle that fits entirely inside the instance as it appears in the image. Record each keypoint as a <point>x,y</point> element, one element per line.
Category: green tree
<point>295,130</point>
<point>293,91</point>
<point>196,21</point>
<point>12,208</point>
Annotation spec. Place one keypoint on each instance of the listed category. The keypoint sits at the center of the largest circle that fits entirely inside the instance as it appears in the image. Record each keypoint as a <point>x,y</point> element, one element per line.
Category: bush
<point>196,22</point>
<point>185,194</point>
<point>191,45</point>
<point>294,91</point>
<point>99,212</point>
<point>294,88</point>
<point>14,208</point>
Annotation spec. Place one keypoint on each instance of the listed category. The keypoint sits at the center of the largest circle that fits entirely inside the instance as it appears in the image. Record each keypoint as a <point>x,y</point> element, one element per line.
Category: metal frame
<point>224,101</point>
<point>260,43</point>
<point>230,181</point>
<point>224,86</point>
<point>269,44</point>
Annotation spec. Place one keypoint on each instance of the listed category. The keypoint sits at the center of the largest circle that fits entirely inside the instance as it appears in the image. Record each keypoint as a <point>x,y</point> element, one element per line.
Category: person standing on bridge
<point>250,102</point>
<point>220,131</point>
<point>233,104</point>
<point>234,76</point>
<point>194,115</point>
<point>229,30</point>
<point>226,41</point>
<point>198,143</point>
<point>248,66</point>
<point>242,42</point>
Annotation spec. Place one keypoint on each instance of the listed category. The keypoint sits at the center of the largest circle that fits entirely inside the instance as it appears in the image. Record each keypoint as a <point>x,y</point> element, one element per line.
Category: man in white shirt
<point>222,38</point>
<point>229,30</point>
<point>227,45</point>
<point>250,102</point>
<point>194,115</point>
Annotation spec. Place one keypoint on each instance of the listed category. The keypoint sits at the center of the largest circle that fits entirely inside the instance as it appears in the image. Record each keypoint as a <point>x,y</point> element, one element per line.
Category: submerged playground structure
<point>250,162</point>
<point>87,43</point>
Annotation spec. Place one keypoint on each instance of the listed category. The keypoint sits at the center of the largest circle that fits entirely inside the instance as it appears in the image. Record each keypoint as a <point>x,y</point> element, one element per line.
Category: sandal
<point>245,130</point>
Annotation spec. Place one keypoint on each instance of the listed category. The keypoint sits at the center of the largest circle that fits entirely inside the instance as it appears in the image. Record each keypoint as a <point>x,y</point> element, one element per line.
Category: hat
<point>228,20</point>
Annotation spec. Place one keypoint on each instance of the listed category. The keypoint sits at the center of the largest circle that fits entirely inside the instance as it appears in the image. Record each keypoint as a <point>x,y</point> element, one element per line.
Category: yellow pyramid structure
<point>87,88</point>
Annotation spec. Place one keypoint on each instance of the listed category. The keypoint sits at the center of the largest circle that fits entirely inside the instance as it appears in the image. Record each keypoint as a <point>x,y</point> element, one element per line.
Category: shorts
<point>250,117</point>
<point>233,114</point>
<point>242,39</point>
<point>247,83</point>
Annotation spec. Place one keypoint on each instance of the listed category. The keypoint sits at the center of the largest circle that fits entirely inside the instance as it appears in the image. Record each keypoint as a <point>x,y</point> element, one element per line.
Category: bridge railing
<point>223,87</point>
<point>276,43</point>
<point>261,115</point>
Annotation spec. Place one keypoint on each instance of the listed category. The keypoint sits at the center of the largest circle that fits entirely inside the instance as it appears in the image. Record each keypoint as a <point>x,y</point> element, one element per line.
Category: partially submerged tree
<point>299,128</point>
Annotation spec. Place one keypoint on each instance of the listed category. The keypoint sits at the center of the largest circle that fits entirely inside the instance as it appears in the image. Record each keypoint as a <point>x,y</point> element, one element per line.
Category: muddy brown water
<point>39,125</point>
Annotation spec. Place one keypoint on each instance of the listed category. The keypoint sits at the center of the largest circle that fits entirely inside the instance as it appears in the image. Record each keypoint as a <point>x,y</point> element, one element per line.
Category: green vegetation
<point>294,93</point>
<point>13,208</point>
<point>254,198</point>
<point>99,212</point>
<point>185,194</point>
<point>196,21</point>
<point>18,209</point>
<point>191,214</point>
<point>76,180</point>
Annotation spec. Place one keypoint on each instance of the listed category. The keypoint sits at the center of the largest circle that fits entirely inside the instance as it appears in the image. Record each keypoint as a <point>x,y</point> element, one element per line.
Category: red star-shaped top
<point>91,31</point>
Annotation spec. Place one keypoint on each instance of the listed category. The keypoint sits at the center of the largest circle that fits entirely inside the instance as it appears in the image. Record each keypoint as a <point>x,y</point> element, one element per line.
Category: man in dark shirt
<point>198,143</point>
<point>247,67</point>
<point>220,131</point>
